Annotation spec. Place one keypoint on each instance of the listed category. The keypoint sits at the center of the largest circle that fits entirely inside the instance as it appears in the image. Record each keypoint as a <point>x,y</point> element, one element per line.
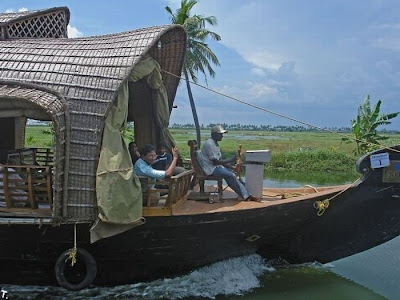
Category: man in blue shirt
<point>143,166</point>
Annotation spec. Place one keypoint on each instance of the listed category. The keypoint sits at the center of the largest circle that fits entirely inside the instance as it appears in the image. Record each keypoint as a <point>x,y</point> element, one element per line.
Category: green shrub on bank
<point>318,160</point>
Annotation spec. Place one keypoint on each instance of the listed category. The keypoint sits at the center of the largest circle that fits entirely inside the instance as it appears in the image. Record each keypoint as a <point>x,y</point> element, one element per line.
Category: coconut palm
<point>198,55</point>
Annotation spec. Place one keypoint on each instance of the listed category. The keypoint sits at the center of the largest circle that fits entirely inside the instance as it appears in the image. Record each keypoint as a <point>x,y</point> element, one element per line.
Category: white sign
<point>379,160</point>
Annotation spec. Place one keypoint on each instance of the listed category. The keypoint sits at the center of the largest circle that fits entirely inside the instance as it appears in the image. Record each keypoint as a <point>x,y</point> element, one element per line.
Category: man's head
<point>132,147</point>
<point>162,148</point>
<point>217,132</point>
<point>148,154</point>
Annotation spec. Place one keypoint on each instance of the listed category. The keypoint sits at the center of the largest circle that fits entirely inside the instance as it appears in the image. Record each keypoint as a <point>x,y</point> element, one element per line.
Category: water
<point>245,278</point>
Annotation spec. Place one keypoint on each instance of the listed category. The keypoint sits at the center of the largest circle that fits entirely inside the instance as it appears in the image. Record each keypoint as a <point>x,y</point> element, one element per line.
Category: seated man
<point>212,164</point>
<point>143,166</point>
<point>164,159</point>
<point>133,151</point>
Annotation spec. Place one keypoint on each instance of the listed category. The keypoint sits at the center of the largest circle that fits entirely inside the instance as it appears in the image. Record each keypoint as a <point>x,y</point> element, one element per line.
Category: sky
<point>310,60</point>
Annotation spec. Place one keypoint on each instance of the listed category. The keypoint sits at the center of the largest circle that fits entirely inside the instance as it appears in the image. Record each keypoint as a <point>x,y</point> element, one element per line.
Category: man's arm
<point>224,162</point>
<point>169,171</point>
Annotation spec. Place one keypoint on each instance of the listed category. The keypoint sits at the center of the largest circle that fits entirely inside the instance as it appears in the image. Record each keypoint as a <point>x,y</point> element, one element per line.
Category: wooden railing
<point>25,187</point>
<point>165,193</point>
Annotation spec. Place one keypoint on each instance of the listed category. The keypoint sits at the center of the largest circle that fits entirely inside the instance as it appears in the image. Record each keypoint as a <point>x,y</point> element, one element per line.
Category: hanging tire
<point>79,276</point>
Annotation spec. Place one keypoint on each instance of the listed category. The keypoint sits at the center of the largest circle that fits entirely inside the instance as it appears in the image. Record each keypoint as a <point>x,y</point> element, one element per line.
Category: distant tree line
<point>251,127</point>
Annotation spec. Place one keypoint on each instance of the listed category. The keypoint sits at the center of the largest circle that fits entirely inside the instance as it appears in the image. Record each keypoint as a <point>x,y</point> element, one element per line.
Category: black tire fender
<point>91,270</point>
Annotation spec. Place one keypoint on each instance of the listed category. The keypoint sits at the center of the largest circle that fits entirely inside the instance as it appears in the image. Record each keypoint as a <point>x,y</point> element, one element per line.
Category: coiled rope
<point>322,205</point>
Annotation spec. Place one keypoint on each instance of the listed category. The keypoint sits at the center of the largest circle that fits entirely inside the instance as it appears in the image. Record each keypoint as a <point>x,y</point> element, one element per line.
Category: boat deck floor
<point>231,201</point>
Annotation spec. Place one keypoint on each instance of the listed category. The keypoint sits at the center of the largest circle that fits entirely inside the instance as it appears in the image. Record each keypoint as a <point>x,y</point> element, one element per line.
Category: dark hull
<point>360,218</point>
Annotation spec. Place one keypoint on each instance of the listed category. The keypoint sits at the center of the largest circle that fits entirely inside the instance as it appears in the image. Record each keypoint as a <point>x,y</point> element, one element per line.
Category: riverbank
<point>316,154</point>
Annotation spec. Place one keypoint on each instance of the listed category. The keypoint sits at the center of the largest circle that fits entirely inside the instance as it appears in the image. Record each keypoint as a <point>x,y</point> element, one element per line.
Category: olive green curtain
<point>119,196</point>
<point>118,190</point>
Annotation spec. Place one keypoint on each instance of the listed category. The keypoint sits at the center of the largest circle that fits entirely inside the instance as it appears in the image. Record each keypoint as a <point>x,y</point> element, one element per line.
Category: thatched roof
<point>86,74</point>
<point>43,23</point>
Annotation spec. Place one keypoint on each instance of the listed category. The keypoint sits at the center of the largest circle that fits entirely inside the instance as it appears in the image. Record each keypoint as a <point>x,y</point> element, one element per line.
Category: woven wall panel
<point>24,96</point>
<point>52,25</point>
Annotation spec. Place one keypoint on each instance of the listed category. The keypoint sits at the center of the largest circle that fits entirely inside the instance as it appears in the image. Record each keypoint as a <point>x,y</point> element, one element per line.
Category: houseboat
<point>75,214</point>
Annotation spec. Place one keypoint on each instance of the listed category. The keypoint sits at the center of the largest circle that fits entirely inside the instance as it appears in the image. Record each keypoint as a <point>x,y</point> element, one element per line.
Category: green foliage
<point>198,55</point>
<point>365,126</point>
<point>30,140</point>
<point>128,135</point>
<point>308,161</point>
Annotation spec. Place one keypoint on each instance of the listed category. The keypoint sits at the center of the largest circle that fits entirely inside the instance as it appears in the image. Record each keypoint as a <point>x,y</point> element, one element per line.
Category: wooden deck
<point>231,202</point>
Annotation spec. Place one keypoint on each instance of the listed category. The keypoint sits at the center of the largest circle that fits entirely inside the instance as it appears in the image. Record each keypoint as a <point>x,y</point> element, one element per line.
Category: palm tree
<point>198,55</point>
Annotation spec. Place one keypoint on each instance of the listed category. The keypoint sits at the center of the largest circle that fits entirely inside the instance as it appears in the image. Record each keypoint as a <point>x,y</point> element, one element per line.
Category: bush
<point>312,161</point>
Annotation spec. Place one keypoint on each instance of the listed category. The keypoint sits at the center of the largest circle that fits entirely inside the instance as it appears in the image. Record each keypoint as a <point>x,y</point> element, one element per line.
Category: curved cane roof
<point>87,73</point>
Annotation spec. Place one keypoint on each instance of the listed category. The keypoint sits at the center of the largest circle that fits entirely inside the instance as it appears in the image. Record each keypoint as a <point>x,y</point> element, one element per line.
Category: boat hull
<point>358,217</point>
<point>357,220</point>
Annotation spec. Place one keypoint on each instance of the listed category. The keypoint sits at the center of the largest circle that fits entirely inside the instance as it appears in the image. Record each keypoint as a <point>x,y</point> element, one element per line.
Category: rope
<point>281,115</point>
<point>73,251</point>
<point>322,205</point>
<point>311,187</point>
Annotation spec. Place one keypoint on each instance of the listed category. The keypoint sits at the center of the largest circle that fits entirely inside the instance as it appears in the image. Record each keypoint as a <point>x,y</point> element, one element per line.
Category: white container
<point>255,160</point>
<point>258,156</point>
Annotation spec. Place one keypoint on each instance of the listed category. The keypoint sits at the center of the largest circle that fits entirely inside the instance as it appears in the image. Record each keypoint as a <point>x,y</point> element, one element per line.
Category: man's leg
<point>232,181</point>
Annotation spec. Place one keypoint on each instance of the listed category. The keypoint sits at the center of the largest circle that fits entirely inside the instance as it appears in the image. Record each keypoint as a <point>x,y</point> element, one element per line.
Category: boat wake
<point>376,268</point>
<point>235,276</point>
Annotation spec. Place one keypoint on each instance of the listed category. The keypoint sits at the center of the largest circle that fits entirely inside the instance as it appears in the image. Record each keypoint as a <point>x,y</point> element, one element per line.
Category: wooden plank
<point>157,211</point>
<point>30,189</point>
<point>5,187</point>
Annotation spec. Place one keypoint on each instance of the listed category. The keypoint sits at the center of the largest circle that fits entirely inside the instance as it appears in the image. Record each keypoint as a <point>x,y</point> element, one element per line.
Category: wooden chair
<point>199,175</point>
<point>30,156</point>
<point>44,156</point>
<point>22,189</point>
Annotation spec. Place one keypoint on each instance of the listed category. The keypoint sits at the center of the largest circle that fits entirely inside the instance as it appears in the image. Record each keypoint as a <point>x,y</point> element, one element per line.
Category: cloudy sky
<point>311,60</point>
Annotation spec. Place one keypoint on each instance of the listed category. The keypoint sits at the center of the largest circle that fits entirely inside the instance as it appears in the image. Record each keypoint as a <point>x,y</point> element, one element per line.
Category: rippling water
<point>234,276</point>
<point>249,277</point>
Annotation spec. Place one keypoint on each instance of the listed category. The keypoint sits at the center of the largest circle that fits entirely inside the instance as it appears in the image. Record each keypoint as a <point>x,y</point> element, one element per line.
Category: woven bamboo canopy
<point>73,82</point>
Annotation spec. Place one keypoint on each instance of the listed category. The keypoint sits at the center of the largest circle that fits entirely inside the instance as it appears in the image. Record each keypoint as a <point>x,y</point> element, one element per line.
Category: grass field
<point>320,155</point>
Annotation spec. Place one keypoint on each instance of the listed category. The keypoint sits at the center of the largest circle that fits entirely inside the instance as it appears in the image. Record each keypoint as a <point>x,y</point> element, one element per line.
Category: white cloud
<point>389,43</point>
<point>386,36</point>
<point>257,71</point>
<point>22,9</point>
<point>73,32</point>
<point>260,90</point>
<point>384,66</point>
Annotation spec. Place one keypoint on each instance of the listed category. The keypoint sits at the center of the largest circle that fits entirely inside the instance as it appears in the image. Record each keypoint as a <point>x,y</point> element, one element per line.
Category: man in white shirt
<point>210,159</point>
